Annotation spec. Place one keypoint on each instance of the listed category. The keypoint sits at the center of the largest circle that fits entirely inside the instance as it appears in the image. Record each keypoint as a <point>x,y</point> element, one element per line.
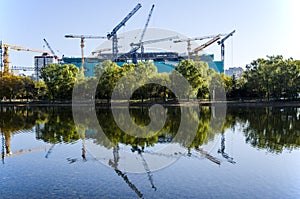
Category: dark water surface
<point>252,153</point>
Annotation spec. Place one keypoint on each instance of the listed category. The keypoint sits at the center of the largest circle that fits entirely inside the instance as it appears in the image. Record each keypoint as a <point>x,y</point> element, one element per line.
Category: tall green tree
<point>273,77</point>
<point>12,87</point>
<point>110,74</point>
<point>197,74</point>
<point>60,80</point>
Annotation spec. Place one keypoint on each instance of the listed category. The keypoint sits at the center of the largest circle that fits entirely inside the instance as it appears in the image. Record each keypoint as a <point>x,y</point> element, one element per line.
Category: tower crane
<point>133,51</point>
<point>221,42</point>
<point>103,50</point>
<point>145,164</point>
<point>222,150</point>
<point>199,48</point>
<point>82,38</point>
<point>49,47</point>
<point>188,40</point>
<point>6,48</point>
<point>113,33</point>
<point>114,164</point>
<point>151,42</point>
<point>179,154</point>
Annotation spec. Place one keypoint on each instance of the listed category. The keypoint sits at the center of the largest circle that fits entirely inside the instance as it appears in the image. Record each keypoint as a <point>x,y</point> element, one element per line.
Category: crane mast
<point>114,164</point>
<point>113,33</point>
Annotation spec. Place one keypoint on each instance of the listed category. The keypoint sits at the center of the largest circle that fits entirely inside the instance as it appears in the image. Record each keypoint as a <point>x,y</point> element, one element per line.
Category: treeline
<point>56,84</point>
<point>21,88</point>
<point>273,78</point>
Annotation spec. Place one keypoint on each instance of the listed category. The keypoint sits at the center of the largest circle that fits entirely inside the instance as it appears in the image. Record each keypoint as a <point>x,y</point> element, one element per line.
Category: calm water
<point>252,153</point>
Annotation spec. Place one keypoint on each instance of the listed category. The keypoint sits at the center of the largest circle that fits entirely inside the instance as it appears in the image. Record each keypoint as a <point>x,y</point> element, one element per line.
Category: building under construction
<point>165,61</point>
<point>164,48</point>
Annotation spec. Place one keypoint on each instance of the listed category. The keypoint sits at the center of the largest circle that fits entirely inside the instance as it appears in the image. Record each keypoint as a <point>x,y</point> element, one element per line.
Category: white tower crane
<point>82,38</point>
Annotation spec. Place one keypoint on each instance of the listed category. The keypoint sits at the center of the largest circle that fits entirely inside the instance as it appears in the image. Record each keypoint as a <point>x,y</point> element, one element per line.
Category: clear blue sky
<point>263,27</point>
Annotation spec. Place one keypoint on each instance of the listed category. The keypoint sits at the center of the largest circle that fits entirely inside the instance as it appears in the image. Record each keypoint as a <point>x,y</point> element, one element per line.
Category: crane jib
<point>225,38</point>
<point>146,25</point>
<point>122,23</point>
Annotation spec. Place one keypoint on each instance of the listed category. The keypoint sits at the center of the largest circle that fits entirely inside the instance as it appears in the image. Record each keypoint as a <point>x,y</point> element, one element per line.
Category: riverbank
<point>169,103</point>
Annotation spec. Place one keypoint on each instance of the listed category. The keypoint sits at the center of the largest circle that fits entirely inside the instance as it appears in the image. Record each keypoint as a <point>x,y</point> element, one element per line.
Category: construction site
<point>165,48</point>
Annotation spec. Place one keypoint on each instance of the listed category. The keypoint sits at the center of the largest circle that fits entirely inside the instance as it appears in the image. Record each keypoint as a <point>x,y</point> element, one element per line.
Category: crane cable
<point>232,52</point>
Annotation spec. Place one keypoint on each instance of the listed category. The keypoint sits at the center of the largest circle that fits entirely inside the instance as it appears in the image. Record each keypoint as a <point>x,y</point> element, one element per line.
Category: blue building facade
<point>162,66</point>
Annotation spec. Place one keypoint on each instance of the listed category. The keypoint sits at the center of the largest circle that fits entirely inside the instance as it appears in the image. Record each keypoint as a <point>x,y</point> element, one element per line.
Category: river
<point>251,152</point>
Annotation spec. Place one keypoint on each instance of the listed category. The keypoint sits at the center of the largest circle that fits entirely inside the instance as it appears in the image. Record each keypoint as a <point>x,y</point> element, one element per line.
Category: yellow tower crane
<point>7,47</point>
<point>188,40</point>
<point>199,48</point>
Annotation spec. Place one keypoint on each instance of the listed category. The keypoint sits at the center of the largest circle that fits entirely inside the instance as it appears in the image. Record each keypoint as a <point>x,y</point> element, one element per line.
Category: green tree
<point>273,77</point>
<point>190,72</point>
<point>197,74</point>
<point>41,90</point>
<point>11,87</point>
<point>28,89</point>
<point>60,80</point>
<point>229,83</point>
<point>110,74</point>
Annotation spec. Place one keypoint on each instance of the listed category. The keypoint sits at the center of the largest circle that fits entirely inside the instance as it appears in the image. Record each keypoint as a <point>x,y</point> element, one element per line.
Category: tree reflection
<point>15,119</point>
<point>60,126</point>
<point>166,134</point>
<point>271,128</point>
<point>56,125</point>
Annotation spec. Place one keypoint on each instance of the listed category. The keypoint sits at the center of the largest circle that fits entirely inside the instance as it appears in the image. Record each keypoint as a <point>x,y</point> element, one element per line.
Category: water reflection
<point>114,164</point>
<point>273,129</point>
<point>270,128</point>
<point>14,120</point>
<point>59,127</point>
